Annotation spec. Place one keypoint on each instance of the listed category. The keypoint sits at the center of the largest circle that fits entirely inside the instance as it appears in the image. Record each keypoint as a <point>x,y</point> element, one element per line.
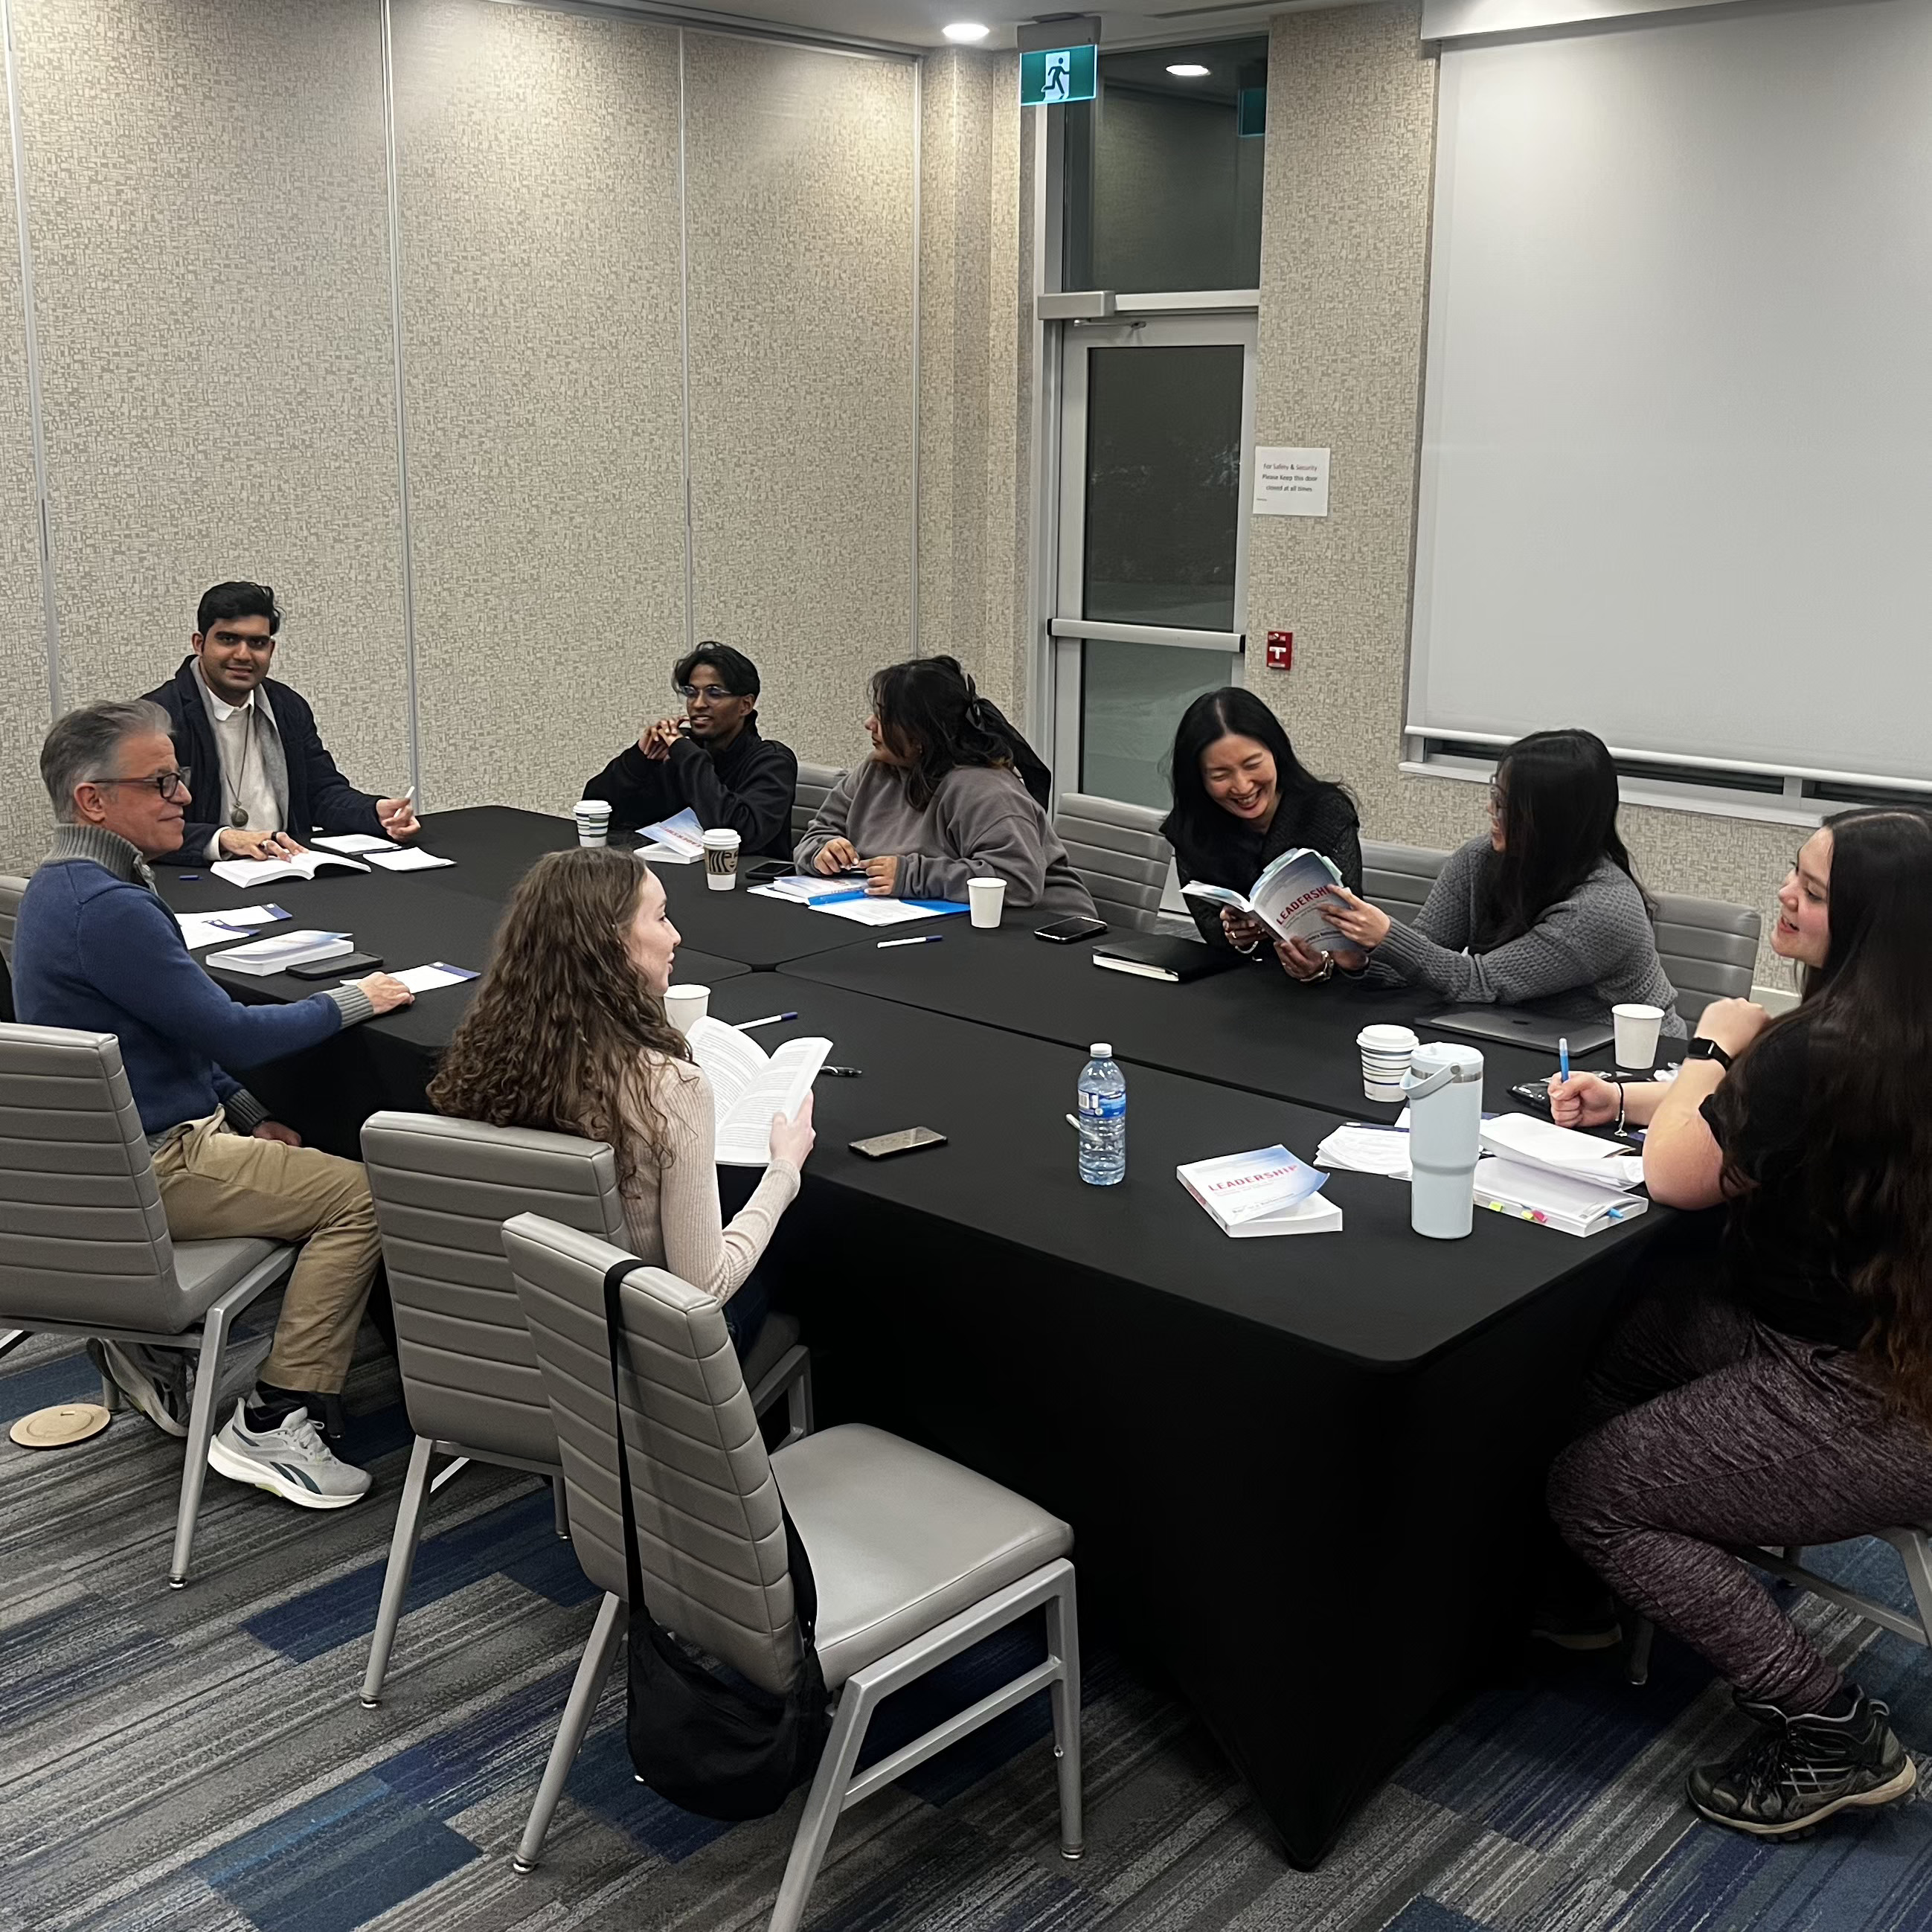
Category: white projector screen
<point>1676,478</point>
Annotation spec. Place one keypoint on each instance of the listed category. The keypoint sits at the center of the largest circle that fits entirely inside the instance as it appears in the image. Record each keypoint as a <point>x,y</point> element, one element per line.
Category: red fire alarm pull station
<point>1281,650</point>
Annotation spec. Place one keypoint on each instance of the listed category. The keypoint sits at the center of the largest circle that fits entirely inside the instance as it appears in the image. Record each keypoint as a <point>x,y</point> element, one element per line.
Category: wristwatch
<point>1701,1049</point>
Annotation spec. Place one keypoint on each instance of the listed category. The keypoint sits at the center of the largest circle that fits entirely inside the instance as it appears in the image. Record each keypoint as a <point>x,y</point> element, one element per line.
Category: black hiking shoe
<point>1802,1769</point>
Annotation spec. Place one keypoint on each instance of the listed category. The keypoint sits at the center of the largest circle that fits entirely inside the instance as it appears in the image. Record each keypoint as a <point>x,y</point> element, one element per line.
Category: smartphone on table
<point>1064,932</point>
<point>880,1145</point>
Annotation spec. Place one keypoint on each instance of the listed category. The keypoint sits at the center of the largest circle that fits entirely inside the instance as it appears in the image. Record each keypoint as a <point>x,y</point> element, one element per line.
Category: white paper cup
<point>684,1005</point>
<point>1385,1056</point>
<point>1637,1028</point>
<point>720,858</point>
<point>593,821</point>
<point>986,899</point>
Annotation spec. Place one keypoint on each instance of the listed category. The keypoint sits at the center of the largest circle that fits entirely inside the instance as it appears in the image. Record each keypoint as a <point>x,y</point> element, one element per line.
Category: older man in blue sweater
<point>95,948</point>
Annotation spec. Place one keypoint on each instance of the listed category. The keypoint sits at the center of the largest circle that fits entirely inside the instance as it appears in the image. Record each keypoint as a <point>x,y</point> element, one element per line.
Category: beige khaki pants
<point>215,1184</point>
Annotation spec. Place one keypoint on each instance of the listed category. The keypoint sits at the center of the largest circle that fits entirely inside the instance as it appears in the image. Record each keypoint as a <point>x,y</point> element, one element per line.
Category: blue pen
<point>770,1019</point>
<point>1563,1059</point>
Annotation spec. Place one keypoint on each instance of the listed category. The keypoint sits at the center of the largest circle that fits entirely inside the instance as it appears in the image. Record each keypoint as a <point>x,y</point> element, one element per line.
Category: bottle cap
<point>1100,1050</point>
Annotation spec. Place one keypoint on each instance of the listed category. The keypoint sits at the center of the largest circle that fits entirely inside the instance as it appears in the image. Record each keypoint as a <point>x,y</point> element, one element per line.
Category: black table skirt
<point>1252,1027</point>
<point>1302,1472</point>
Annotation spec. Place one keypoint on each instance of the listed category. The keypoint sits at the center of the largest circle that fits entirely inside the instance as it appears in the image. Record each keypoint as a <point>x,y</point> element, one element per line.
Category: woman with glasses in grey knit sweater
<point>1544,912</point>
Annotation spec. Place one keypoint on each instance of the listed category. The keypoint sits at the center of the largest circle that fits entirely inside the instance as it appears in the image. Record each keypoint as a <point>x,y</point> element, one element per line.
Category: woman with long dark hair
<point>1241,798</point>
<point>951,792</point>
<point>1544,912</point>
<point>568,1034</point>
<point>1788,1401</point>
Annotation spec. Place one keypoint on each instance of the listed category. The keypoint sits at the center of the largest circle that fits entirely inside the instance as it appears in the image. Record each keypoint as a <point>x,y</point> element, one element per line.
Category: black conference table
<point>1303,1474</point>
<point>1250,1026</point>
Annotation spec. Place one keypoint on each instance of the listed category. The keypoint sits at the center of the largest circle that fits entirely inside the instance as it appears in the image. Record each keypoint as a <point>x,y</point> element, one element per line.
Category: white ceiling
<point>916,23</point>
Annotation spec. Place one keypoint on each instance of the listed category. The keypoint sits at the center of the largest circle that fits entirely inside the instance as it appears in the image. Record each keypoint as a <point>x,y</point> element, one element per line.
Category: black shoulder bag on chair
<point>714,1745</point>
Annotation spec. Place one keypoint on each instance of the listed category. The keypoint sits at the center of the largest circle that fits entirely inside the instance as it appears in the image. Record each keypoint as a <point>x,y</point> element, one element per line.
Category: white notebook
<point>748,1086</point>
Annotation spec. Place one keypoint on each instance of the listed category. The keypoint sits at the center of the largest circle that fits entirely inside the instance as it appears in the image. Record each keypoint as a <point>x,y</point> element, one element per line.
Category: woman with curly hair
<point>1789,1400</point>
<point>568,1034</point>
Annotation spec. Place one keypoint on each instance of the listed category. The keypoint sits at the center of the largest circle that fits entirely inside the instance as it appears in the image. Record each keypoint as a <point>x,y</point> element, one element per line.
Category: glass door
<point>1151,589</point>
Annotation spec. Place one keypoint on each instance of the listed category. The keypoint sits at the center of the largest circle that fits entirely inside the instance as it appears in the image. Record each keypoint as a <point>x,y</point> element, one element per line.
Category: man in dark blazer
<point>251,744</point>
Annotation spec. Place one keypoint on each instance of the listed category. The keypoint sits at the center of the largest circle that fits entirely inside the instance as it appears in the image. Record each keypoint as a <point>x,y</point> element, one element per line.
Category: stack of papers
<point>353,842</point>
<point>864,911</point>
<point>676,841</point>
<point>264,956</point>
<point>407,859</point>
<point>1553,1200</point>
<point>748,1086</point>
<point>801,889</point>
<point>1362,1148</point>
<point>205,928</point>
<point>427,979</point>
<point>1266,1191</point>
<point>1529,1142</point>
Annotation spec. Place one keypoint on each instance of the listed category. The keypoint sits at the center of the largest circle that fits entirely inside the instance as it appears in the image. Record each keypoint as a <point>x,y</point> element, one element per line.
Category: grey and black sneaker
<point>154,1380</point>
<point>1801,1769</point>
<point>289,1460</point>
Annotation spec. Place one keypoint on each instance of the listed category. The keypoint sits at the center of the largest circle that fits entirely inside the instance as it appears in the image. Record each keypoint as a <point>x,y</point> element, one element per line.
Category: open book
<point>266,871</point>
<point>1290,897</point>
<point>748,1086</point>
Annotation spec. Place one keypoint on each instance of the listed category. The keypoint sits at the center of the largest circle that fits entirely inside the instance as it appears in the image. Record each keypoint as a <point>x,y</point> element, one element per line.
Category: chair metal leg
<point>1915,1551</point>
<point>200,1433</point>
<point>396,1577</point>
<point>822,1804</point>
<point>584,1691</point>
<point>1636,1665</point>
<point>1063,1641</point>
<point>560,1507</point>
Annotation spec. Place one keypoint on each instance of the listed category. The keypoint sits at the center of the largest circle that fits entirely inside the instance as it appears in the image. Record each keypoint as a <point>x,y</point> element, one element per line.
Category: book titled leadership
<point>1266,1191</point>
<point>1291,897</point>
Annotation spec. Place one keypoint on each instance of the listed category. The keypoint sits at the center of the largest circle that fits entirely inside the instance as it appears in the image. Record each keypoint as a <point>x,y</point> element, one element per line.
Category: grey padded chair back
<point>443,1189</point>
<point>81,1224</point>
<point>11,886</point>
<point>710,1533</point>
<point>1397,877</point>
<point>814,786</point>
<point>1118,851</point>
<point>1709,948</point>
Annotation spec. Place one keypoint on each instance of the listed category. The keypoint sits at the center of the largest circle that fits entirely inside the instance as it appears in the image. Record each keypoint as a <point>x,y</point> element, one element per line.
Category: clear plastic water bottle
<point>1103,1119</point>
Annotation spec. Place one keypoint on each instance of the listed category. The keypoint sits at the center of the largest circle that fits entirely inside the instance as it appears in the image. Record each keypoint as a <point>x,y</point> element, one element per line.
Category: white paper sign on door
<point>1290,482</point>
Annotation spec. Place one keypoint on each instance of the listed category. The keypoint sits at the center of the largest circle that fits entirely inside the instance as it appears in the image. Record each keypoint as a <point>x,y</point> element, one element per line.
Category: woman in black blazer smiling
<point>1241,798</point>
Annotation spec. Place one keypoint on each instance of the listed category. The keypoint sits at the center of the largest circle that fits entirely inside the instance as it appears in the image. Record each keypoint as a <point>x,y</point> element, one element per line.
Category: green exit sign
<point>1052,78</point>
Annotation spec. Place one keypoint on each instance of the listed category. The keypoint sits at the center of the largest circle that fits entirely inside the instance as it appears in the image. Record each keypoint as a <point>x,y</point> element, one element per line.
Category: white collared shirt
<point>243,778</point>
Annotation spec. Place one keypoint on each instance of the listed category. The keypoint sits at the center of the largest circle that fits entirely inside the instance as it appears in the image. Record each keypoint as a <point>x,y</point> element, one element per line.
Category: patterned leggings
<point>1701,1428</point>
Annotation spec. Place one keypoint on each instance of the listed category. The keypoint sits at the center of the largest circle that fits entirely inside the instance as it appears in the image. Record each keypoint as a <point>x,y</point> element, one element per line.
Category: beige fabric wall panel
<point>23,634</point>
<point>973,480</point>
<point>798,187</point>
<point>1345,255</point>
<point>537,162</point>
<point>208,206</point>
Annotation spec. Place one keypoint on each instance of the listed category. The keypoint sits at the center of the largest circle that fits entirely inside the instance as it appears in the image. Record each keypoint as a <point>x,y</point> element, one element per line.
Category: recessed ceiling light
<point>966,30</point>
<point>1188,70</point>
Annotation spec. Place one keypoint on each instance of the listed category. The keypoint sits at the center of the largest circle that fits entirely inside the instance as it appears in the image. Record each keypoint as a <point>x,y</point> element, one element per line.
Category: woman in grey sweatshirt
<point>941,801</point>
<point>1543,913</point>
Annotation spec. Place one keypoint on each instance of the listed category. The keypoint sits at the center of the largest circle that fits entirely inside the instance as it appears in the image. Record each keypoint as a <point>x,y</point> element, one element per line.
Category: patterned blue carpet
<point>198,1759</point>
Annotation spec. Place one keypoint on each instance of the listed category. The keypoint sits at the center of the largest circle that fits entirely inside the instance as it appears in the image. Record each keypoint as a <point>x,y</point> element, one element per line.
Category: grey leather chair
<point>11,887</point>
<point>915,1558</point>
<point>443,1189</point>
<point>814,786</point>
<point>84,1245</point>
<point>1709,948</point>
<point>1914,1545</point>
<point>1118,851</point>
<point>1397,877</point>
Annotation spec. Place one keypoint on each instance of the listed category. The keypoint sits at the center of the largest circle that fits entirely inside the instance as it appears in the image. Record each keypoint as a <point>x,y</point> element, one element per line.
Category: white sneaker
<point>290,1461</point>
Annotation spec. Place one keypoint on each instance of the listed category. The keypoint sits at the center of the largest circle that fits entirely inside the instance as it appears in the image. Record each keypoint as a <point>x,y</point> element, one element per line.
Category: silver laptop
<point>1537,1032</point>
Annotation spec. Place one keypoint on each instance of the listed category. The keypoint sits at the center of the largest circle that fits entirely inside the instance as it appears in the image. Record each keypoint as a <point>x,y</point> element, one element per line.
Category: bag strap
<point>804,1586</point>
